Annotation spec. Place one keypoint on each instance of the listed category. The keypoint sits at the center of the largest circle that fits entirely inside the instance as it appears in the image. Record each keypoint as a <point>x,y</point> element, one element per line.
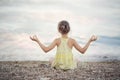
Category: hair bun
<point>63,27</point>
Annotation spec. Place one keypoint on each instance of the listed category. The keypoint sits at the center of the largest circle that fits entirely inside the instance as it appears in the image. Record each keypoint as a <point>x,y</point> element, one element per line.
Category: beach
<point>41,70</point>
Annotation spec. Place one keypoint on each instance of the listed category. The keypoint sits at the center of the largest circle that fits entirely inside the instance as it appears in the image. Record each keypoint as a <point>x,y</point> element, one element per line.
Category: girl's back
<point>69,42</point>
<point>64,57</point>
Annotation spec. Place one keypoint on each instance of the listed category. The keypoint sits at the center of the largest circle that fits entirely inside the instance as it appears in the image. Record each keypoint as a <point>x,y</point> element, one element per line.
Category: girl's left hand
<point>93,38</point>
<point>34,38</point>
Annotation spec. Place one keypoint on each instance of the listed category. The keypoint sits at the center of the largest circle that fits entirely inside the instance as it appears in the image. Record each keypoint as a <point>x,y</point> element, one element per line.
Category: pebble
<point>38,70</point>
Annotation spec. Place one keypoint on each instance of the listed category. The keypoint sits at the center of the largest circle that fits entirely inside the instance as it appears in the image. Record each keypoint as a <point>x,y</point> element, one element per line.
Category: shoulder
<point>72,40</point>
<point>57,40</point>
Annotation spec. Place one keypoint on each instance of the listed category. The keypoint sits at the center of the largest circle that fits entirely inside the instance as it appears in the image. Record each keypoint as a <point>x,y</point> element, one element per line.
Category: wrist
<point>90,41</point>
<point>37,41</point>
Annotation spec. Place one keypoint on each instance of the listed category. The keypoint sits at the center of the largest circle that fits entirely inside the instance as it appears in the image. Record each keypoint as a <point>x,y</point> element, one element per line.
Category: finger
<point>95,37</point>
<point>30,37</point>
<point>34,36</point>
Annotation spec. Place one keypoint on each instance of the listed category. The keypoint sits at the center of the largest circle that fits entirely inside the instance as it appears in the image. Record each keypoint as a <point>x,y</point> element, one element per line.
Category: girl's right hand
<point>34,38</point>
<point>93,38</point>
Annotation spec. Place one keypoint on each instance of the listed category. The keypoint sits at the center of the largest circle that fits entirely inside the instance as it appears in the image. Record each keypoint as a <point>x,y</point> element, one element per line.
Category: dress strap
<point>64,40</point>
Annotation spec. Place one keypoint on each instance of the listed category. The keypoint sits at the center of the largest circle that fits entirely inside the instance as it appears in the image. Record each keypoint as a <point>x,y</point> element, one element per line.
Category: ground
<point>41,70</point>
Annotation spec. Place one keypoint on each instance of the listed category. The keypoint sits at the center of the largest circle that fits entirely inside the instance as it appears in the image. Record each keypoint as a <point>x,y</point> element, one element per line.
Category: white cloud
<point>21,18</point>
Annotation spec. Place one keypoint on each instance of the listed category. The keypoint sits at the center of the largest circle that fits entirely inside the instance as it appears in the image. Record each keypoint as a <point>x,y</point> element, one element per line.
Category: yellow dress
<point>64,57</point>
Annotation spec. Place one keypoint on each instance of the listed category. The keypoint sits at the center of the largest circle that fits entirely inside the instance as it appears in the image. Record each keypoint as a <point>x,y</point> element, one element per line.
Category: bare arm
<point>43,47</point>
<point>83,50</point>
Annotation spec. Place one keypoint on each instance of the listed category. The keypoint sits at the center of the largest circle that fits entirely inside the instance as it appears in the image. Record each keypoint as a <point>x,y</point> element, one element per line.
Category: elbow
<point>45,51</point>
<point>82,52</point>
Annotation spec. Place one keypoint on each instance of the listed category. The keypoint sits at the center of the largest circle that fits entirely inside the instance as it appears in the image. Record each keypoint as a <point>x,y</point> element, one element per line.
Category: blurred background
<point>21,18</point>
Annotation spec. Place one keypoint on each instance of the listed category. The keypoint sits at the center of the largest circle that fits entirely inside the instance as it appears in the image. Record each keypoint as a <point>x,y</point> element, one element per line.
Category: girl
<point>64,57</point>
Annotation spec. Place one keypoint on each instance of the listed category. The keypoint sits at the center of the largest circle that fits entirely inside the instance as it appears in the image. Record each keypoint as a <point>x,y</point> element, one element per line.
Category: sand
<point>41,70</point>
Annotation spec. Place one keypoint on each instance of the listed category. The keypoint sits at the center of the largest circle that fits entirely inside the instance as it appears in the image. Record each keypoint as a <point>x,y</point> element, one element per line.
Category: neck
<point>64,36</point>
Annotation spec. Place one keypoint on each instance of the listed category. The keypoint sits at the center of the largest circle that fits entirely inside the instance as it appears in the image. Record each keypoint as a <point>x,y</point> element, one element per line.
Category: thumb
<point>30,37</point>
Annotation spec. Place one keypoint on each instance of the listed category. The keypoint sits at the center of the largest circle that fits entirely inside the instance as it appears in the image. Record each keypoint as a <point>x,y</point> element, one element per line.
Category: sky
<point>21,18</point>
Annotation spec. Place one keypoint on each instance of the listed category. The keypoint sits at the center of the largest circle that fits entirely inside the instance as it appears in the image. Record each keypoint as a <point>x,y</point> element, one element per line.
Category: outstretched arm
<point>43,47</point>
<point>83,50</point>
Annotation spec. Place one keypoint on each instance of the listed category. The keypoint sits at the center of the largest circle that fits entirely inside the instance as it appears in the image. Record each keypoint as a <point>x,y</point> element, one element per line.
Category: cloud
<point>15,40</point>
<point>20,18</point>
<point>111,41</point>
